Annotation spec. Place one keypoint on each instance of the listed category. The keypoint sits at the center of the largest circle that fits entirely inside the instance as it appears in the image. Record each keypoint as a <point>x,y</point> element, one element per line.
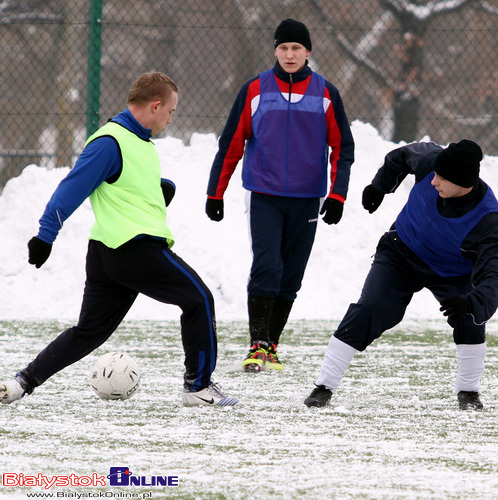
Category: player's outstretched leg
<point>337,359</point>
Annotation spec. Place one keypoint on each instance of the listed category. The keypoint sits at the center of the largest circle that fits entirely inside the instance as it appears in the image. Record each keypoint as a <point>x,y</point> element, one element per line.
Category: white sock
<point>337,359</point>
<point>470,367</point>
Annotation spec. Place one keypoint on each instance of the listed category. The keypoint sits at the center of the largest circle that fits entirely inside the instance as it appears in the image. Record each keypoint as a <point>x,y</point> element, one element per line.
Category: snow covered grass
<point>393,431</point>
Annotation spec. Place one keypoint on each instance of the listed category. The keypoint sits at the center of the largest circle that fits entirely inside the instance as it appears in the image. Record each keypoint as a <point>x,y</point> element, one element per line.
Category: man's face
<point>291,56</point>
<point>447,189</point>
<point>163,113</point>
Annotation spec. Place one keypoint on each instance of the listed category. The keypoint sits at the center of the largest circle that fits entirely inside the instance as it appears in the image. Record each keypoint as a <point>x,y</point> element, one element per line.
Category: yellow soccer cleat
<point>272,361</point>
<point>255,361</point>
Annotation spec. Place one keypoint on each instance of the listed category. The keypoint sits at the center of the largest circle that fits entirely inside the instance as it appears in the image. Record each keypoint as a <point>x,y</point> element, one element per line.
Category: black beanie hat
<point>292,31</point>
<point>459,163</point>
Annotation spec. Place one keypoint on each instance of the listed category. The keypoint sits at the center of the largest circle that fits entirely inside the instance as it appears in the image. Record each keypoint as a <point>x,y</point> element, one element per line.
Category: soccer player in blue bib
<point>283,122</point>
<point>445,239</point>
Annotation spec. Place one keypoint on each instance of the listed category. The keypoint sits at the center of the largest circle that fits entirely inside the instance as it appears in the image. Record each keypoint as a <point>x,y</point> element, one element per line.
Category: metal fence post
<point>94,54</point>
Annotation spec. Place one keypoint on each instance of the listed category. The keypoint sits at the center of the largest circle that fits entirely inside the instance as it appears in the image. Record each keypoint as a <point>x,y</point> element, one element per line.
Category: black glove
<point>332,209</point>
<point>169,190</point>
<point>214,209</point>
<point>454,306</point>
<point>38,251</point>
<point>371,199</point>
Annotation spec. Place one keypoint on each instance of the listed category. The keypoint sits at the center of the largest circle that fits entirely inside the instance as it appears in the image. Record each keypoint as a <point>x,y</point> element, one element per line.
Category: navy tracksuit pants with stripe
<point>115,277</point>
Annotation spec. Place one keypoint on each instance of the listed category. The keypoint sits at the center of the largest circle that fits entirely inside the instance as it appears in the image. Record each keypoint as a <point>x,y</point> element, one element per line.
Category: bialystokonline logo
<point>118,476</point>
<point>122,476</point>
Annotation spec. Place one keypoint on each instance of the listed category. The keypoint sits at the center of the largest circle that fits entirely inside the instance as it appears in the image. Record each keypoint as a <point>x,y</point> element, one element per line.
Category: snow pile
<point>219,252</point>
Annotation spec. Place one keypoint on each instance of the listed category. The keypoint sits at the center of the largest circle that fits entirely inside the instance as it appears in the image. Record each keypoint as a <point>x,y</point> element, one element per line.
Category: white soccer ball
<point>115,375</point>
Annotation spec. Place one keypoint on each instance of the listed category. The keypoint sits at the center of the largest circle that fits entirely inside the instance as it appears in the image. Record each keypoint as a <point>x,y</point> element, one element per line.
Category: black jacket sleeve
<point>481,245</point>
<point>414,159</point>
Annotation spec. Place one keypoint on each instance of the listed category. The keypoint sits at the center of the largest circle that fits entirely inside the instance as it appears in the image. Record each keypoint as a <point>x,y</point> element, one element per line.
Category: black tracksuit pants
<point>114,279</point>
<point>282,233</point>
<point>395,275</point>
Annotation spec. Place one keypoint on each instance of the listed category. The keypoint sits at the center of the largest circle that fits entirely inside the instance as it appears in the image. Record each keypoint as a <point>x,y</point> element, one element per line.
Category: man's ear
<point>154,105</point>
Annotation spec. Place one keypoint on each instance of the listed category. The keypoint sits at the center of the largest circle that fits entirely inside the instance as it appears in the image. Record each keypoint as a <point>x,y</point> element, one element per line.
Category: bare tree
<point>405,87</point>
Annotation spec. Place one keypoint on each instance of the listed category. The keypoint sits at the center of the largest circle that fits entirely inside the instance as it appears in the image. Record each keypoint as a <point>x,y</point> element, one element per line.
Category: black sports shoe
<point>319,397</point>
<point>468,400</point>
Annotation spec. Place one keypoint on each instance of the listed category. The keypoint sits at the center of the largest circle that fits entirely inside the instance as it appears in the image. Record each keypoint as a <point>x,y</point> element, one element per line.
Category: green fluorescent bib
<point>134,204</point>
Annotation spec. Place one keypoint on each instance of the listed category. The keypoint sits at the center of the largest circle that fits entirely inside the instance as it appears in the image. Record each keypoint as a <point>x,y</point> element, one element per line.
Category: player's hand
<point>332,209</point>
<point>169,190</point>
<point>214,209</point>
<point>39,251</point>
<point>371,199</point>
<point>454,306</point>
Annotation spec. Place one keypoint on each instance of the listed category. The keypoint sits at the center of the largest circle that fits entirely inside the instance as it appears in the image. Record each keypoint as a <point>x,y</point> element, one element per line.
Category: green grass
<point>393,430</point>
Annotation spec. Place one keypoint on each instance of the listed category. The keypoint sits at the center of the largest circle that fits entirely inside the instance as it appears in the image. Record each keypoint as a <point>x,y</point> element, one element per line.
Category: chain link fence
<point>411,69</point>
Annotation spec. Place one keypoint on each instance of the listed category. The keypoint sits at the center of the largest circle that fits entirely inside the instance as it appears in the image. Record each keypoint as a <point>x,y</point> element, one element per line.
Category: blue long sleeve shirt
<point>99,162</point>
